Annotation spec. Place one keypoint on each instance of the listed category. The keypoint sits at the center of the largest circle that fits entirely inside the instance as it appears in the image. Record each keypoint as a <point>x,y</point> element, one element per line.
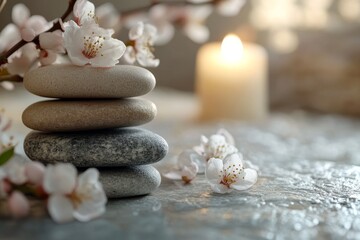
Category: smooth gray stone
<point>129,181</point>
<point>107,148</point>
<point>85,115</point>
<point>70,81</point>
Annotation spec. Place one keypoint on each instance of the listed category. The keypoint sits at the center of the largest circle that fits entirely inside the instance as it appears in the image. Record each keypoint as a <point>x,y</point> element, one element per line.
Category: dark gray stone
<point>107,148</point>
<point>129,181</point>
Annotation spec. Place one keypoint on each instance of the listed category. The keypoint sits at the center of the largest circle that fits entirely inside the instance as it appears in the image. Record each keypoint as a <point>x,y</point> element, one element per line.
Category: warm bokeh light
<point>232,48</point>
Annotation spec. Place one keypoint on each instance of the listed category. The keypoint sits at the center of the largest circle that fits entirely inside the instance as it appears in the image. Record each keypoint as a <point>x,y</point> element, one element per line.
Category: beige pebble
<point>82,115</point>
<point>69,81</point>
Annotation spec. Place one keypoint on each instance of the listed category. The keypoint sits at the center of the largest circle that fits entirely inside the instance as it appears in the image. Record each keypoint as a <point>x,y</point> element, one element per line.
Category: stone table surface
<point>308,187</point>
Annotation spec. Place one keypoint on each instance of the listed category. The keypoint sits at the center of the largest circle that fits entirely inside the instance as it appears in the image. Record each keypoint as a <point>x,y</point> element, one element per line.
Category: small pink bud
<point>18,205</point>
<point>34,171</point>
<point>27,34</point>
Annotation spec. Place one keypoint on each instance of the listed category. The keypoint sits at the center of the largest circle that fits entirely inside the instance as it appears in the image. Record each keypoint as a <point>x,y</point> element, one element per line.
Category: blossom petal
<point>87,212</point>
<point>173,175</point>
<point>228,137</point>
<point>129,55</point>
<point>220,188</point>
<point>84,11</point>
<point>9,36</point>
<point>60,208</point>
<point>146,61</point>
<point>107,15</point>
<point>20,13</point>
<point>213,170</point>
<point>136,31</point>
<point>19,206</point>
<point>37,23</point>
<point>60,178</point>
<point>197,32</point>
<point>248,182</point>
<point>230,7</point>
<point>52,41</point>
<point>233,159</point>
<point>192,156</point>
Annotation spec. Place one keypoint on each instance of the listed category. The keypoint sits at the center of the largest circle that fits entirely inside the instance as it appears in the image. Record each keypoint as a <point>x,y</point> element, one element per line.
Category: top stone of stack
<point>69,81</point>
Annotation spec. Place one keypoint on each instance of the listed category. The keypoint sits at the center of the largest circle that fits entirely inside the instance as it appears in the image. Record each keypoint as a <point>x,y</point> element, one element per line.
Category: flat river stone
<point>69,81</point>
<point>80,115</point>
<point>106,148</point>
<point>129,181</point>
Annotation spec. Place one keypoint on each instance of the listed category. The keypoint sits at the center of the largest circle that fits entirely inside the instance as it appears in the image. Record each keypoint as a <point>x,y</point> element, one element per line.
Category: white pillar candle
<point>231,80</point>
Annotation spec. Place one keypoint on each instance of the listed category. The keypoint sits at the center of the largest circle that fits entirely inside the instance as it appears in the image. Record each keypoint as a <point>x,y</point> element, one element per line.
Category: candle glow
<point>232,49</point>
<point>231,80</point>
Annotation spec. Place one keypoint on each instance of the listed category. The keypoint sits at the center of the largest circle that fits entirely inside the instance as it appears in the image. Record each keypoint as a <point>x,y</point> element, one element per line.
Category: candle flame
<point>232,48</point>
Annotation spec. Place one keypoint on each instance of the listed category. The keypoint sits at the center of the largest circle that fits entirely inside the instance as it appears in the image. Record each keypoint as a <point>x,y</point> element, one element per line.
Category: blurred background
<point>313,45</point>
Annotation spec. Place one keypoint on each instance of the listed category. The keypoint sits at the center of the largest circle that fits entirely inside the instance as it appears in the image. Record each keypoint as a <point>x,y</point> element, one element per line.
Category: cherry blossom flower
<point>14,170</point>
<point>51,44</point>
<point>192,20</point>
<point>23,60</point>
<point>186,168</point>
<point>219,146</point>
<point>107,16</point>
<point>229,174</point>
<point>159,17</point>
<point>34,172</point>
<point>9,36</point>
<point>7,85</point>
<point>84,11</point>
<point>29,26</point>
<point>82,198</point>
<point>92,45</point>
<point>142,37</point>
<point>19,206</point>
<point>230,7</point>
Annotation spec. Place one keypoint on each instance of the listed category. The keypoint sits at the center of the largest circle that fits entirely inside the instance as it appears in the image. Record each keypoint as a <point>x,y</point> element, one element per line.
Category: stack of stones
<point>91,124</point>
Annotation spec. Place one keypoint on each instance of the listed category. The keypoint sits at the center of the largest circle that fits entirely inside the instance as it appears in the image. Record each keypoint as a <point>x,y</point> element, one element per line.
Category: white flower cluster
<point>68,196</point>
<point>87,39</point>
<point>221,162</point>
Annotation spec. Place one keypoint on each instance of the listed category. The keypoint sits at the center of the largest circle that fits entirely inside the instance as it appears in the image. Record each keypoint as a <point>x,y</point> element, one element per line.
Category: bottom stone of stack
<point>129,181</point>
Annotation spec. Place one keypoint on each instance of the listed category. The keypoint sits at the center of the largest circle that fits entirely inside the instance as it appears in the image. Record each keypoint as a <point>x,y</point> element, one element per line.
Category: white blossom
<point>82,198</point>
<point>23,60</point>
<point>51,44</point>
<point>142,37</point>
<point>186,168</point>
<point>107,16</point>
<point>28,25</point>
<point>218,145</point>
<point>194,24</point>
<point>159,17</point>
<point>230,7</point>
<point>229,174</point>
<point>92,45</point>
<point>84,11</point>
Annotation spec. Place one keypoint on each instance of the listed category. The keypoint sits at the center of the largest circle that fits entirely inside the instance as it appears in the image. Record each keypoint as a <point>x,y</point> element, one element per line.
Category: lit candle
<point>231,80</point>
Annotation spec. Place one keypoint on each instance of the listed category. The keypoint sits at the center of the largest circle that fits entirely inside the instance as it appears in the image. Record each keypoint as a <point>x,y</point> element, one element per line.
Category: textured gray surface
<point>308,188</point>
<point>70,81</point>
<point>81,115</point>
<point>106,148</point>
<point>129,181</point>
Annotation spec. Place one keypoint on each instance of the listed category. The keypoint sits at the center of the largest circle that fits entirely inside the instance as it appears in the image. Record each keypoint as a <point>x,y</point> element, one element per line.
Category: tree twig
<point>168,3</point>
<point>2,5</point>
<point>4,57</point>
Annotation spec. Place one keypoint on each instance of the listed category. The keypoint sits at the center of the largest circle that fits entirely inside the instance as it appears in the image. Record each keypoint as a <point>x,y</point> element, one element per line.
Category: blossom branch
<point>4,57</point>
<point>2,5</point>
<point>172,3</point>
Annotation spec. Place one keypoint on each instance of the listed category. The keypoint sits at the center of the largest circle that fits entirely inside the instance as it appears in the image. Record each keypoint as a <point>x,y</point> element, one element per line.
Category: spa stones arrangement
<point>92,124</point>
